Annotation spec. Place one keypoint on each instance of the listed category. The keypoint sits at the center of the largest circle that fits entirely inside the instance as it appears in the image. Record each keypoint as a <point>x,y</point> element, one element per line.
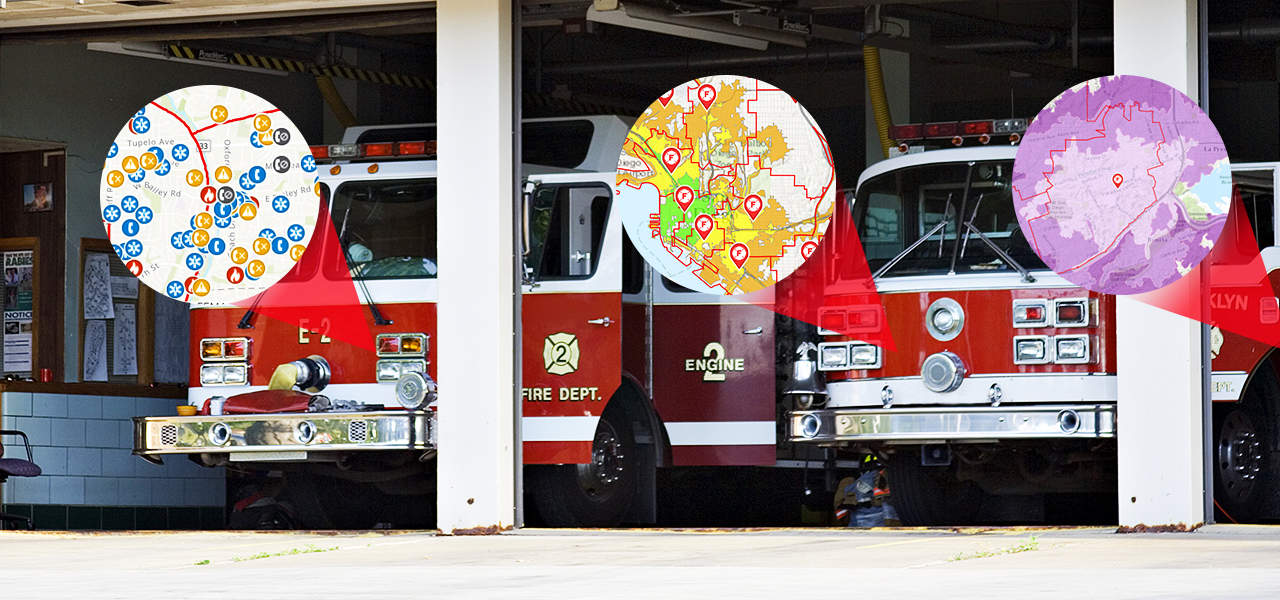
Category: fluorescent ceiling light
<point>698,28</point>
<point>161,51</point>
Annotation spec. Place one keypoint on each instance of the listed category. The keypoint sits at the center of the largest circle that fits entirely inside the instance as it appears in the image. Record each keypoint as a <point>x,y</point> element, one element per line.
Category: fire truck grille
<point>168,435</point>
<point>358,432</point>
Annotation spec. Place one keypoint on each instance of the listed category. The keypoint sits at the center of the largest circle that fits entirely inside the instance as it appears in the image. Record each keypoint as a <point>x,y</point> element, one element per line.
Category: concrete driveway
<point>1217,561</point>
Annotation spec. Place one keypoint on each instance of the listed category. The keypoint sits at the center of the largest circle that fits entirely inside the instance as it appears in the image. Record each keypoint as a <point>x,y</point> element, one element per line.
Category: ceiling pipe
<point>843,56</point>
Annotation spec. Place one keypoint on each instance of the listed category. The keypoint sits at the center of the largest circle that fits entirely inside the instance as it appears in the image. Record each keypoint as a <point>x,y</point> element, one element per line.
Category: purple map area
<point>1122,184</point>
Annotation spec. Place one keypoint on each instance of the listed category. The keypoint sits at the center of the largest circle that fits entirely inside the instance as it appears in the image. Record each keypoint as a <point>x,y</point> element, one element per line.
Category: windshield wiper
<point>1026,275</point>
<point>904,253</point>
<point>378,319</point>
<point>964,204</point>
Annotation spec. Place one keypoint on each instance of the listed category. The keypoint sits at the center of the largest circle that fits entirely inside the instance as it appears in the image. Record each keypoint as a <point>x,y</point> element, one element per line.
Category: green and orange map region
<point>726,185</point>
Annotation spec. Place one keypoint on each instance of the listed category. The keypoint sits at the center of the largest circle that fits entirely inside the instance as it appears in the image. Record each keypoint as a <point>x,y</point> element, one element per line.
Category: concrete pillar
<point>475,345</point>
<point>1159,354</point>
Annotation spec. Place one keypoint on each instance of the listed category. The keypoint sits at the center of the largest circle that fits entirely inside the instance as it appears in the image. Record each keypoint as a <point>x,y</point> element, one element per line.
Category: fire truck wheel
<point>591,495</point>
<point>930,495</point>
<point>1242,474</point>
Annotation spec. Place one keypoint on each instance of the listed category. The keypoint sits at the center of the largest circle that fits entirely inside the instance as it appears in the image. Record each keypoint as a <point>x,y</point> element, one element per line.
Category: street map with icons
<point>726,185</point>
<point>1122,184</point>
<point>209,195</point>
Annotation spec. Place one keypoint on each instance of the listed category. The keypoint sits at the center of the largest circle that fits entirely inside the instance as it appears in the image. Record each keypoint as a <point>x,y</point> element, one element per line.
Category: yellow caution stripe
<point>294,66</point>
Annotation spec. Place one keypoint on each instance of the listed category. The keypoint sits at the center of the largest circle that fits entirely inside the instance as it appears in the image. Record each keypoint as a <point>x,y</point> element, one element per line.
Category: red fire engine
<point>1000,400</point>
<point>623,370</point>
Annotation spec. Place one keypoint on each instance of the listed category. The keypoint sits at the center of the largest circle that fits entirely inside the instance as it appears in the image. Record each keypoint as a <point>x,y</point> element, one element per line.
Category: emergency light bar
<point>374,150</point>
<point>958,131</point>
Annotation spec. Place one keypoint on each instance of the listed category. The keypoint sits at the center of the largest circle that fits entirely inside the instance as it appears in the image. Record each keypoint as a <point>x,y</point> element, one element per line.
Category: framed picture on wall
<point>37,197</point>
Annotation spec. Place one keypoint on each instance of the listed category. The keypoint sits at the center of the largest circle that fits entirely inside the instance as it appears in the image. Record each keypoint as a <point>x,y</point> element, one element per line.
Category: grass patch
<point>1031,544</point>
<point>310,549</point>
<point>202,562</point>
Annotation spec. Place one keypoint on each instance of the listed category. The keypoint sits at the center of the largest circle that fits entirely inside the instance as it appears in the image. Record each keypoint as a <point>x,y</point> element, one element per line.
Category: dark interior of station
<point>952,61</point>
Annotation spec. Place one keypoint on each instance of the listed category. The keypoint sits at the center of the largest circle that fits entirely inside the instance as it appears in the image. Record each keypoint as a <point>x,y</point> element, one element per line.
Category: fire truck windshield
<point>388,228</point>
<point>908,205</point>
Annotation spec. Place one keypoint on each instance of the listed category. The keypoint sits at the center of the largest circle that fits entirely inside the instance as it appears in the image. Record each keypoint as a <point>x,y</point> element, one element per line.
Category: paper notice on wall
<point>124,287</point>
<point>125,352</point>
<point>17,341</point>
<point>95,351</point>
<point>19,291</point>
<point>97,287</point>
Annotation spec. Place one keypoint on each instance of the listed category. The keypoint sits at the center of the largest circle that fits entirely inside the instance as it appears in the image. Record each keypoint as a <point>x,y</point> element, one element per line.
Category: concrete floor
<point>1215,562</point>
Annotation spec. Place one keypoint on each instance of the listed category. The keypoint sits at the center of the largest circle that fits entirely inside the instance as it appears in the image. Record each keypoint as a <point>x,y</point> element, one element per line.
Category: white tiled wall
<point>84,443</point>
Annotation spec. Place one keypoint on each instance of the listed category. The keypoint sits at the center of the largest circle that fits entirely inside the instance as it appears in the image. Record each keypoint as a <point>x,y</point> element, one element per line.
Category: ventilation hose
<point>879,103</point>
<point>339,108</point>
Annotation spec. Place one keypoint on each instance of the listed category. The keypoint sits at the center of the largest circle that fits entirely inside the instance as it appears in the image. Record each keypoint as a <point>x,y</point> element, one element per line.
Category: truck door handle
<point>606,321</point>
<point>756,331</point>
<point>581,256</point>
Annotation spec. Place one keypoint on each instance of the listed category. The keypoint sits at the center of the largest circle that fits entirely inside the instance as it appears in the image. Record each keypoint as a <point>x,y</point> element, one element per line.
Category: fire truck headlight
<point>210,374</point>
<point>865,356</point>
<point>392,370</point>
<point>1031,350</point>
<point>388,370</point>
<point>235,374</point>
<point>1071,349</point>
<point>833,357</point>
<point>810,425</point>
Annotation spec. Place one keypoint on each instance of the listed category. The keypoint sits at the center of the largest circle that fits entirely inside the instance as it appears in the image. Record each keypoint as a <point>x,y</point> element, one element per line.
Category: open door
<point>572,318</point>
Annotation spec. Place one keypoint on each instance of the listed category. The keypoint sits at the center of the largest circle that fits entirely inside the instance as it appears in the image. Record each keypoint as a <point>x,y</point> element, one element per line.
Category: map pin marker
<point>739,254</point>
<point>753,204</point>
<point>704,224</point>
<point>807,249</point>
<point>706,95</point>
<point>671,158</point>
<point>684,197</point>
<point>1117,179</point>
<point>665,98</point>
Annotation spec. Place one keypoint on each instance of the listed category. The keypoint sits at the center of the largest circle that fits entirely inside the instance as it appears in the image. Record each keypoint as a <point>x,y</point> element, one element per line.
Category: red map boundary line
<point>1101,134</point>
<point>793,242</point>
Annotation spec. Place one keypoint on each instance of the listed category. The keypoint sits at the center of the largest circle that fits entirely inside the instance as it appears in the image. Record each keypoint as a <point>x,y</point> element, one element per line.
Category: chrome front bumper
<point>284,436</point>
<point>958,423</point>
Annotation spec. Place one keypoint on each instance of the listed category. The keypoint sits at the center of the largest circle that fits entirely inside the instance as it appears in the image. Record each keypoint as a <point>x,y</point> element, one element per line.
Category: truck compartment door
<point>714,377</point>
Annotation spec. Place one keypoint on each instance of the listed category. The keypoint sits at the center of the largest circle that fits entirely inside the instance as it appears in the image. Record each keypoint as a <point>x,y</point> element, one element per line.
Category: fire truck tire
<point>930,495</point>
<point>591,495</point>
<point>1243,474</point>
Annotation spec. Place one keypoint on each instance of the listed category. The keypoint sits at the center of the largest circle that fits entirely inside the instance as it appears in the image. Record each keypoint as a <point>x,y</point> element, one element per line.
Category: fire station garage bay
<point>522,363</point>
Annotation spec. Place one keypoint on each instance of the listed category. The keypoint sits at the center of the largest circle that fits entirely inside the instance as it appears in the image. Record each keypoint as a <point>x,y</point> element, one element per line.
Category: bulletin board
<point>117,319</point>
<point>20,326</point>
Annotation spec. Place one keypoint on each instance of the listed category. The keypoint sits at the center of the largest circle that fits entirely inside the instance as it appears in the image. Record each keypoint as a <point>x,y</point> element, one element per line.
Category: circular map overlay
<point>726,185</point>
<point>1122,184</point>
<point>209,195</point>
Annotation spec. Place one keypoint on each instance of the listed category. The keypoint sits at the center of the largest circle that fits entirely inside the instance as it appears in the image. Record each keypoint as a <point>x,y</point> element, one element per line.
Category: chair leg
<point>4,516</point>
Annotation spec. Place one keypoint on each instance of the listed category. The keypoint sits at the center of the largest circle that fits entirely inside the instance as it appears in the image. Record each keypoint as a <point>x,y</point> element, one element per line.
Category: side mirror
<point>527,276</point>
<point>526,207</point>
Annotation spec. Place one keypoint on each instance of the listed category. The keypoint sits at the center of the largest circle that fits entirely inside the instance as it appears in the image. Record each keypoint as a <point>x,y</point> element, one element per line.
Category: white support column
<point>1159,354</point>
<point>474,351</point>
